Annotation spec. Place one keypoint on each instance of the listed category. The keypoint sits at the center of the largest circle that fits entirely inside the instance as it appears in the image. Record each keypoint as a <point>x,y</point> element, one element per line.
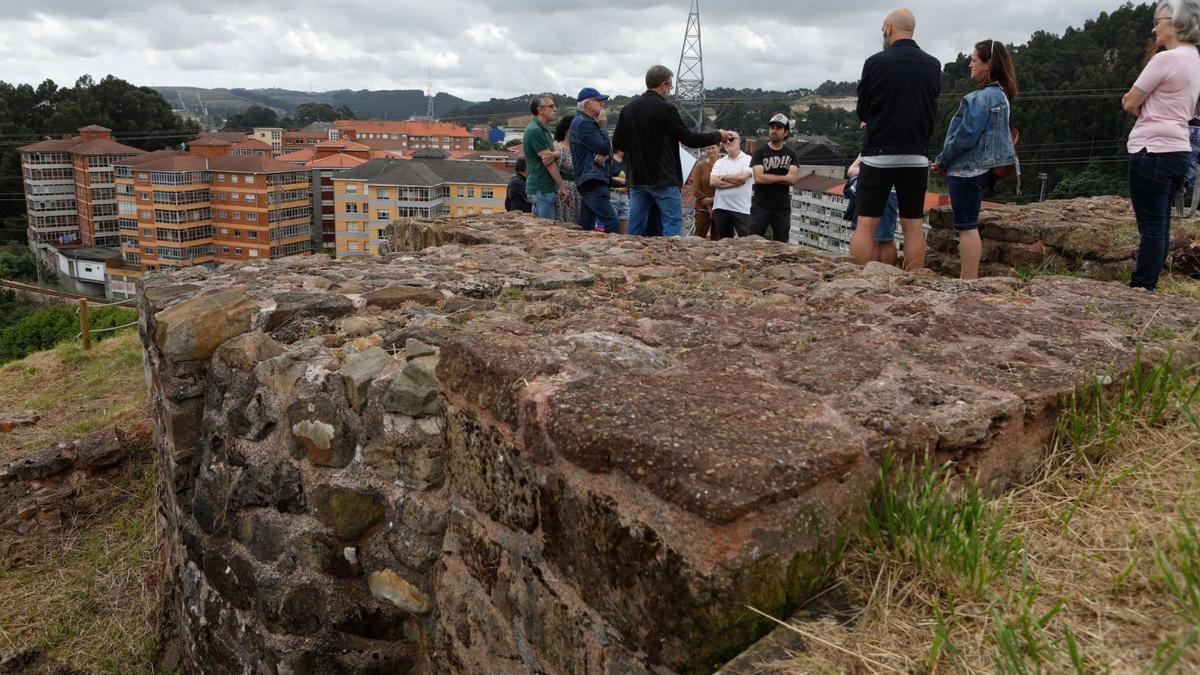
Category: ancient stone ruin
<point>1093,237</point>
<point>507,447</point>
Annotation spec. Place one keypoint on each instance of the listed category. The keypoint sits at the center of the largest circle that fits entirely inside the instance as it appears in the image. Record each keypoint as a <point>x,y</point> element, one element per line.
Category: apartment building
<point>272,136</point>
<point>367,198</point>
<point>406,135</point>
<point>817,209</point>
<point>293,140</point>
<point>69,189</point>
<point>253,147</point>
<point>193,208</point>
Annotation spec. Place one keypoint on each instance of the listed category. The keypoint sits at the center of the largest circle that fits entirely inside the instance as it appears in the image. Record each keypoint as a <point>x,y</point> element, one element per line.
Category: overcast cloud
<point>483,48</point>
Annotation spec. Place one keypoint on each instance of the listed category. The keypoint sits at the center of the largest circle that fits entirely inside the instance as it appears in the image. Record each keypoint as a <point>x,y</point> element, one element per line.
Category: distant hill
<point>391,104</point>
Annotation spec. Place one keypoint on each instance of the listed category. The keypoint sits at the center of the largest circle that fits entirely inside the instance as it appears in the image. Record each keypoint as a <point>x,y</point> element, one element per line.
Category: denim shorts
<point>620,202</point>
<point>966,197</point>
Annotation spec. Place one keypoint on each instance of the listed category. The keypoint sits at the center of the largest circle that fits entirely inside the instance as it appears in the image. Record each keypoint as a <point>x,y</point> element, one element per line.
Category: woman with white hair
<point>1162,99</point>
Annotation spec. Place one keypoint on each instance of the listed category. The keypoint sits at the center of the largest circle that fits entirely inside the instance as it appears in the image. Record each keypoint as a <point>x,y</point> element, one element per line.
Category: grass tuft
<point>953,533</point>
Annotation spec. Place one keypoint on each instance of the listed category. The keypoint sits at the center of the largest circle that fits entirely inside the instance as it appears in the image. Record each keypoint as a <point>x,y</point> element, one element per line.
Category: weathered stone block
<point>193,329</point>
<point>414,390</point>
<point>359,370</point>
<point>319,434</point>
<point>391,587</point>
<point>350,513</point>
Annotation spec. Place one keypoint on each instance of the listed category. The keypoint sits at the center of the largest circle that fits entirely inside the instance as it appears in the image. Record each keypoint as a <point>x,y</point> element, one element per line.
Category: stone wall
<point>513,448</point>
<point>1093,237</point>
<point>49,487</point>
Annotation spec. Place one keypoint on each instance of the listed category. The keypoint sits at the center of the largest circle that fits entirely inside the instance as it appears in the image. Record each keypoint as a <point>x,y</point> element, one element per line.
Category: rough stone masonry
<point>507,447</point>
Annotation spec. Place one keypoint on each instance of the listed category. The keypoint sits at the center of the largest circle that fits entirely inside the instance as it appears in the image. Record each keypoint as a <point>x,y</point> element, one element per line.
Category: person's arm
<point>589,135</point>
<point>1133,100</point>
<point>864,93</point>
<point>678,131</point>
<point>1152,75</point>
<point>852,172</point>
<point>618,137</point>
<point>793,175</point>
<point>763,178</point>
<point>733,180</point>
<point>972,120</point>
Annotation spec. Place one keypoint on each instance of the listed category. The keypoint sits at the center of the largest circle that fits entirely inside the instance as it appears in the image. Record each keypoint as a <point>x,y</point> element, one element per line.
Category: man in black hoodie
<point>649,132</point>
<point>897,103</point>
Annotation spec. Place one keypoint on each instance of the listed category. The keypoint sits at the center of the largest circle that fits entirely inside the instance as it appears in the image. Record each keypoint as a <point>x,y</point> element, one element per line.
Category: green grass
<point>951,532</point>
<point>1178,562</point>
<point>1094,418</point>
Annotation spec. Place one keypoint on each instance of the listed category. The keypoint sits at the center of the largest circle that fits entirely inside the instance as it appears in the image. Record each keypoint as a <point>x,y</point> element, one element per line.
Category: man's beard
<point>886,44</point>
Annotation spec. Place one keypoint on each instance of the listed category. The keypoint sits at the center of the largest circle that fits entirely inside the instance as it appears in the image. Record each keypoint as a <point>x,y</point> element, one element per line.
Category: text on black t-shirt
<point>777,163</point>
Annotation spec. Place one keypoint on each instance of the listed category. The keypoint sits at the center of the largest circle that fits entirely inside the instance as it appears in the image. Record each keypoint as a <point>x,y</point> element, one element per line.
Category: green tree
<point>307,113</point>
<point>254,116</point>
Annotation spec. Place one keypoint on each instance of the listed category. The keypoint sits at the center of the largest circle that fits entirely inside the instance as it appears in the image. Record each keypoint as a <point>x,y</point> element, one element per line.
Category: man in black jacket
<point>897,104</point>
<point>649,132</point>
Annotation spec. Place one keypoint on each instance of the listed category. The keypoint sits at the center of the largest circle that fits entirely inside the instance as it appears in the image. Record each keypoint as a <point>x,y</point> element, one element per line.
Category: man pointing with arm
<point>649,132</point>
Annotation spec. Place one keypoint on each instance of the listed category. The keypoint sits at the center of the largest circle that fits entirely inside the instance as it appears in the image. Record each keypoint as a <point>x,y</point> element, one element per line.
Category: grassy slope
<point>1091,529</point>
<point>85,594</point>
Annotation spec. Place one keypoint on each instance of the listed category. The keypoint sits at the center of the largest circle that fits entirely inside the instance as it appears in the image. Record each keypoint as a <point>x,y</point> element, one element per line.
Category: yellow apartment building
<point>369,197</point>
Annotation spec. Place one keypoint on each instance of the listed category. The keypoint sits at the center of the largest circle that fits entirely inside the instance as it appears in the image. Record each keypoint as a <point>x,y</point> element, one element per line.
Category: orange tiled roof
<point>338,161</point>
<point>410,127</point>
<point>104,147</point>
<point>346,145</point>
<point>208,142</point>
<point>299,156</point>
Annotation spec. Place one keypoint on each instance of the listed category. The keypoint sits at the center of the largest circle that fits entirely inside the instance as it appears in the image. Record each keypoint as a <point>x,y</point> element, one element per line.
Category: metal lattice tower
<point>429,97</point>
<point>689,77</point>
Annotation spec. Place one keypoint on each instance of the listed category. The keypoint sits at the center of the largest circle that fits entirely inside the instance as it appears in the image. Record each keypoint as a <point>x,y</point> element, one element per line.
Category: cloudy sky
<point>483,48</point>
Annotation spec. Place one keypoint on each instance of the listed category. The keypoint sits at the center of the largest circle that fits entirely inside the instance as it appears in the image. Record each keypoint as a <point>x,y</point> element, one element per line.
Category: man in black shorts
<point>775,172</point>
<point>897,104</point>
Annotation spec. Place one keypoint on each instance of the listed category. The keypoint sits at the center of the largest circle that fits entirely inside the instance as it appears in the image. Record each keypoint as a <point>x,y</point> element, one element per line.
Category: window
<point>381,214</point>
<point>237,234</point>
<point>233,178</point>
<point>144,196</point>
<point>251,216</point>
<point>225,249</point>
<point>220,178</point>
<point>143,176</point>
<point>224,214</point>
<point>149,251</point>
<point>352,188</point>
<point>351,207</point>
<point>237,215</point>
<point>253,253</point>
<point>147,233</point>
<point>487,193</point>
<point>224,231</point>
<point>237,251</point>
<point>251,234</point>
<point>236,196</point>
<point>352,227</point>
<point>459,192</point>
<point>470,193</point>
<point>250,198</point>
<point>381,194</point>
<point>352,245</point>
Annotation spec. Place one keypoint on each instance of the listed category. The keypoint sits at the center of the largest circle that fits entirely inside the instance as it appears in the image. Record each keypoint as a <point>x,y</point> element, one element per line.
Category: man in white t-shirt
<point>734,181</point>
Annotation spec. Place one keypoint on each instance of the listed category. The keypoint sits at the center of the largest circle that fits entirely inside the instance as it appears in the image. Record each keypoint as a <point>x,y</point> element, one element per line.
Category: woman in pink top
<point>1162,99</point>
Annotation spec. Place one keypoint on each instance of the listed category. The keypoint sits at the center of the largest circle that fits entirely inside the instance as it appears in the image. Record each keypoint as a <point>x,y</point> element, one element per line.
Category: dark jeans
<point>1154,179</point>
<point>726,223</point>
<point>779,220</point>
<point>595,204</point>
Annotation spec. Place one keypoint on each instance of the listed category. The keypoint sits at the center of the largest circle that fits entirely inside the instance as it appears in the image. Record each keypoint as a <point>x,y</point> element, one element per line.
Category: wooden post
<point>85,325</point>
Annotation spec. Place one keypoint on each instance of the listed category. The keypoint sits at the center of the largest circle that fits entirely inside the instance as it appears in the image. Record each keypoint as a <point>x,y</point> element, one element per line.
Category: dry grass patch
<point>85,594</point>
<point>75,392</point>
<point>1106,576</point>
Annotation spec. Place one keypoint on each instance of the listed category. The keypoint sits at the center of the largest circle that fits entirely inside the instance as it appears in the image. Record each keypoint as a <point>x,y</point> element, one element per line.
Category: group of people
<point>590,178</point>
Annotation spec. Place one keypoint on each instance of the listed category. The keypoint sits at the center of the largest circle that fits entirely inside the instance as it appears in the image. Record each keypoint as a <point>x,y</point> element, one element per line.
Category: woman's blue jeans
<point>1154,180</point>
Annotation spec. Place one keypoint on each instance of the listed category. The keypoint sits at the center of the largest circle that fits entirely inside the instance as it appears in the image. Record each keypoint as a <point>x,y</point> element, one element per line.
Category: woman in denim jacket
<point>978,141</point>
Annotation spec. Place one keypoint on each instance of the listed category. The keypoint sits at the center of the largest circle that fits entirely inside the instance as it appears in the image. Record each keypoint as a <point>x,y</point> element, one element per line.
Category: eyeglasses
<point>1162,18</point>
<point>552,106</point>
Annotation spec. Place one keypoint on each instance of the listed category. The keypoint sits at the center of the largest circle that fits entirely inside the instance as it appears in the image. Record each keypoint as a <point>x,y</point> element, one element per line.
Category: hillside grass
<point>75,391</point>
<point>85,594</point>
<point>1092,566</point>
